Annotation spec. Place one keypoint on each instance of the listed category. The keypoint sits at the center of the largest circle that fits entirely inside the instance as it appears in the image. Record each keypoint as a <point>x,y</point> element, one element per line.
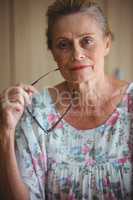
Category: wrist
<point>6,139</point>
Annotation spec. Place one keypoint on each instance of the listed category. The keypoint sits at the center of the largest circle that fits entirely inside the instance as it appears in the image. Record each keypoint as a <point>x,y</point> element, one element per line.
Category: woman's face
<point>79,47</point>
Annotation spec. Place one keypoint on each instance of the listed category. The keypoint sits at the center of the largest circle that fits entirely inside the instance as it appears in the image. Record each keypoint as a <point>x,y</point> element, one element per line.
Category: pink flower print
<point>52,118</point>
<point>71,197</point>
<point>113,119</point>
<point>125,98</point>
<point>89,162</point>
<point>69,181</point>
<point>35,163</point>
<point>109,196</point>
<point>106,182</point>
<point>85,149</point>
<point>130,103</point>
<point>123,160</point>
<point>59,126</point>
<point>42,159</point>
<point>39,160</point>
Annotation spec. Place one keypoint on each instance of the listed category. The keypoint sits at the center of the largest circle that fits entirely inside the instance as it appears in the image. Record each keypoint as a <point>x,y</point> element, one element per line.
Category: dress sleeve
<point>31,158</point>
<point>31,142</point>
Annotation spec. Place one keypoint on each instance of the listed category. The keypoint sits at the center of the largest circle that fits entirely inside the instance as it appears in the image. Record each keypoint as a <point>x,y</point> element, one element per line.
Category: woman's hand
<point>12,104</point>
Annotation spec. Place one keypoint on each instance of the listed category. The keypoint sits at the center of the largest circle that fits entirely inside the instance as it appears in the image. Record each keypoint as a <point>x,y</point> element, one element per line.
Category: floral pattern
<point>72,164</point>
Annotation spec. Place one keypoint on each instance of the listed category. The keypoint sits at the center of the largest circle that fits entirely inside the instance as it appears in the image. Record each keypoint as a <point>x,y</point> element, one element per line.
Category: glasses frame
<point>46,131</point>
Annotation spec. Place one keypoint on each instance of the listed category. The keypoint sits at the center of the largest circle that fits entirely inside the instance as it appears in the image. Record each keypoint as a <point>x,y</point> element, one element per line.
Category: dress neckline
<point>103,124</point>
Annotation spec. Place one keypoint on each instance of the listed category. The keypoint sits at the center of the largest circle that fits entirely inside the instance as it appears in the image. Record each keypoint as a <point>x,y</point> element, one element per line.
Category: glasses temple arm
<point>68,108</point>
<point>50,129</point>
<point>34,82</point>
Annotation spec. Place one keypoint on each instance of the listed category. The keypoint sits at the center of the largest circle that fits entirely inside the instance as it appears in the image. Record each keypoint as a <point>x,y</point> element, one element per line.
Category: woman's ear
<point>108,43</point>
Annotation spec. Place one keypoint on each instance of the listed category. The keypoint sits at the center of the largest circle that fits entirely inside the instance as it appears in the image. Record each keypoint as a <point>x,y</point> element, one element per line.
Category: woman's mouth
<point>79,67</point>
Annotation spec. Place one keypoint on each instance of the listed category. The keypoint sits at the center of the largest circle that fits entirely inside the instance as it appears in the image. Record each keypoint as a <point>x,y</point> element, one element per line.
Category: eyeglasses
<point>46,131</point>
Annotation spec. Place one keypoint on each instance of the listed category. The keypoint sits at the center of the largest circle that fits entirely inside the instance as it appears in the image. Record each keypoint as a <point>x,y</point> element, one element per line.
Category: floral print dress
<point>72,164</point>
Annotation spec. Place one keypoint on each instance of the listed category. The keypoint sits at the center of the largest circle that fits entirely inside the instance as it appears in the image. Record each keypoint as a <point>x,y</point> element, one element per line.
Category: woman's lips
<point>79,67</point>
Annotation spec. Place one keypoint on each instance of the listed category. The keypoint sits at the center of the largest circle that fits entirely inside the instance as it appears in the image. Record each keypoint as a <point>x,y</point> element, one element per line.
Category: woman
<point>87,155</point>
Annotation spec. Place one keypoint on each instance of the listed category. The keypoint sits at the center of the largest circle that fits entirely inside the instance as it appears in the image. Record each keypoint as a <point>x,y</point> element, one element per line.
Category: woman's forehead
<point>76,25</point>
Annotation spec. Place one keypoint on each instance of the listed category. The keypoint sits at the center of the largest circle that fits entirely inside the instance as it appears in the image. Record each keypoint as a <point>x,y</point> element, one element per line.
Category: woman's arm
<point>14,188</point>
<point>12,104</point>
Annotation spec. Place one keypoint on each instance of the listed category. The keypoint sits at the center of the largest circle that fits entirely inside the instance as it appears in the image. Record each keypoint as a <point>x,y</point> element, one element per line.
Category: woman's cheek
<point>65,73</point>
<point>63,61</point>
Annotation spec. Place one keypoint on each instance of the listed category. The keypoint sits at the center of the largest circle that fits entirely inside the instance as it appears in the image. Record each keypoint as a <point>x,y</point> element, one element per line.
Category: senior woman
<point>87,152</point>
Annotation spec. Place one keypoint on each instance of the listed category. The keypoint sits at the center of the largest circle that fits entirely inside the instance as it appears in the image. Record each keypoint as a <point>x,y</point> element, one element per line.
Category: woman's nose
<point>78,53</point>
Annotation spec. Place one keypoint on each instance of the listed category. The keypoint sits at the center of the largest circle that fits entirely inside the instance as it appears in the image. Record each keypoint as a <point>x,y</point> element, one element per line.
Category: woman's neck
<point>90,94</point>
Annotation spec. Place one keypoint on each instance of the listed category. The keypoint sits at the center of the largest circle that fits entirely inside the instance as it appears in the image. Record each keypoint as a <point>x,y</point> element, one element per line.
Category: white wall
<point>5,70</point>
<point>120,14</point>
<point>31,56</point>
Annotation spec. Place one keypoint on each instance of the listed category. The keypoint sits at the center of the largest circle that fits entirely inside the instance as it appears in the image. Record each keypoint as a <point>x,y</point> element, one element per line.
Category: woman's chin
<point>79,78</point>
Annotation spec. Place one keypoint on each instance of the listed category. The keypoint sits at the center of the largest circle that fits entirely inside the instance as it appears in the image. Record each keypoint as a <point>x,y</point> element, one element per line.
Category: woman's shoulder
<point>121,87</point>
<point>122,93</point>
<point>130,88</point>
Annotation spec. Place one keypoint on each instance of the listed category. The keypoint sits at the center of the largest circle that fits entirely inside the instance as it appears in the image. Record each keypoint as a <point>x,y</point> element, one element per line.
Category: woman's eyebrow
<point>62,38</point>
<point>84,34</point>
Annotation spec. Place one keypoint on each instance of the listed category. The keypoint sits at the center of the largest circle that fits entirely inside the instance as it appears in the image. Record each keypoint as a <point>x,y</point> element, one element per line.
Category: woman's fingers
<point>17,94</point>
<point>13,101</point>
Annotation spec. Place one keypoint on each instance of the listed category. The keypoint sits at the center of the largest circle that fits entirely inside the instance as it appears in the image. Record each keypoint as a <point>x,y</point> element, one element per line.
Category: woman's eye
<point>87,41</point>
<point>64,45</point>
